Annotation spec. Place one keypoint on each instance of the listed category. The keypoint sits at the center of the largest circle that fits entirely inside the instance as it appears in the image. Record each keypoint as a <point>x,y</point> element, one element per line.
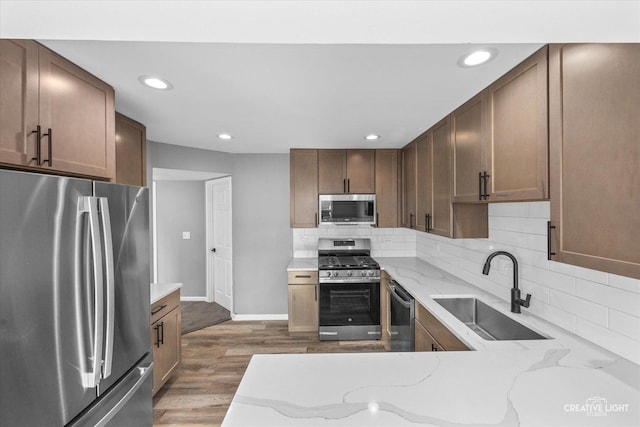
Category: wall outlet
<point>186,235</point>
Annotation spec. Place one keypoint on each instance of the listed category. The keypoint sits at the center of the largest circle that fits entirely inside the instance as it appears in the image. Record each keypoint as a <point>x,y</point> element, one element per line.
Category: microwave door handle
<point>89,205</point>
<point>110,279</point>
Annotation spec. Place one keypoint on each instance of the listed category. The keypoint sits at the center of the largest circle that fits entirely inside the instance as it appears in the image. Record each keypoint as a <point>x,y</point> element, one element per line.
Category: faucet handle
<point>525,302</point>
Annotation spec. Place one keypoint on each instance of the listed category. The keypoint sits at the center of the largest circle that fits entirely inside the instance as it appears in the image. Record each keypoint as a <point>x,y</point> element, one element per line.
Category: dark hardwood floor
<point>215,358</point>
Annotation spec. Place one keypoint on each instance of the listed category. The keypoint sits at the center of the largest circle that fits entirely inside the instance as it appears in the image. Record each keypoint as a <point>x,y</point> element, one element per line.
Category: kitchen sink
<point>486,321</point>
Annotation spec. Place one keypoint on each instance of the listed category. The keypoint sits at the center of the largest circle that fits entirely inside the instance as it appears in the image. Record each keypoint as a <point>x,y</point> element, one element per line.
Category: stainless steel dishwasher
<point>402,318</point>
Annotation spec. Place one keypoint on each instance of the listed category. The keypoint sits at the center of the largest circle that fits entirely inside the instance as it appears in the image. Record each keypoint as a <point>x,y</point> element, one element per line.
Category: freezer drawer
<point>127,403</point>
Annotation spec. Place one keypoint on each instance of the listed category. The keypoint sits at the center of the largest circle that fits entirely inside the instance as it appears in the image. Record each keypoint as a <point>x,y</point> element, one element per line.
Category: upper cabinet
<point>304,188</point>
<point>131,140</point>
<point>500,141</point>
<point>387,187</point>
<point>346,171</point>
<point>516,133</point>
<point>594,128</point>
<point>409,195</point>
<point>55,116</point>
<point>18,101</point>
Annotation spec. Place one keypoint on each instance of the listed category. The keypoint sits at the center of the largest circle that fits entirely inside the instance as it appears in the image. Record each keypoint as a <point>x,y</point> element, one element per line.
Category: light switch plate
<point>186,235</point>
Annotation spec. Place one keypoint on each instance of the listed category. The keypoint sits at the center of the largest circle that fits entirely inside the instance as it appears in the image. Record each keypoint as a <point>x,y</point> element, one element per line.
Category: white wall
<point>600,307</point>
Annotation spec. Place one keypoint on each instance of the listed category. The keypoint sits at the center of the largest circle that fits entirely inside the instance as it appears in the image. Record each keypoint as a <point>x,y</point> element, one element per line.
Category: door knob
<point>213,250</point>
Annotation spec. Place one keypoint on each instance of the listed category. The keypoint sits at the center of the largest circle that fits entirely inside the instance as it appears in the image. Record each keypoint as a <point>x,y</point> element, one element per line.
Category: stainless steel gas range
<point>349,288</point>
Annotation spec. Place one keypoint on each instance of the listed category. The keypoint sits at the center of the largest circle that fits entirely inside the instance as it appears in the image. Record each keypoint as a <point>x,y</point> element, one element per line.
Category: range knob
<point>370,272</point>
<point>363,273</point>
<point>335,274</point>
<point>349,273</point>
<point>327,273</point>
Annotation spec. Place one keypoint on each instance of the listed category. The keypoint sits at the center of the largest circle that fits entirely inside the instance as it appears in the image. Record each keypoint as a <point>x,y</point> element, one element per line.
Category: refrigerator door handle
<point>89,205</point>
<point>144,373</point>
<point>110,288</point>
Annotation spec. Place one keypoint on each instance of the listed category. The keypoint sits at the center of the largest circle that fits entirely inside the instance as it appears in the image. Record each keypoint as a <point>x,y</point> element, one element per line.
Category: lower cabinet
<point>303,301</point>
<point>431,335</point>
<point>165,338</point>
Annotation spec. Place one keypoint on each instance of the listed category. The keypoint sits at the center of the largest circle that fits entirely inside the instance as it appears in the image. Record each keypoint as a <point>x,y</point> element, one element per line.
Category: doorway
<point>219,242</point>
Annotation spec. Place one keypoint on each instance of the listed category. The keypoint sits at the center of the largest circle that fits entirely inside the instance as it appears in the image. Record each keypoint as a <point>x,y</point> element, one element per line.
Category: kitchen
<point>270,299</point>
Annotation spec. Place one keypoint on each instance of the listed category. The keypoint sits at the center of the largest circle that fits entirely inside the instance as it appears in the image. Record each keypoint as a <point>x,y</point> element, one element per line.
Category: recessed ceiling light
<point>224,136</point>
<point>477,57</point>
<point>372,137</point>
<point>155,82</point>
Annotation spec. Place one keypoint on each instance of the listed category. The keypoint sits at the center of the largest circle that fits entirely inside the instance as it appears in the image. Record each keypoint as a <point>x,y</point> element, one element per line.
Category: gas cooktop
<point>351,262</point>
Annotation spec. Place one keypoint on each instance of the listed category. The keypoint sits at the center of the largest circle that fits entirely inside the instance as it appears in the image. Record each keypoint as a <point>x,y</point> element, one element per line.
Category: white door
<point>219,241</point>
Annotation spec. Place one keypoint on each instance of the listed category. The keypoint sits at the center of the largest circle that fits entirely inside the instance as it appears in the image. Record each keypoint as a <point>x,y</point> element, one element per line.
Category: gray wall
<point>180,206</point>
<point>262,237</point>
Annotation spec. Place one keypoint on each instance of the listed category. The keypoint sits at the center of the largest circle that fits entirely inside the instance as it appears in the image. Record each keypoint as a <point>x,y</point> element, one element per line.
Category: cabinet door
<point>441,214</point>
<point>594,94</point>
<point>18,101</point>
<point>468,154</point>
<point>131,141</point>
<point>409,157</point>
<point>79,110</point>
<point>332,171</point>
<point>387,188</point>
<point>424,341</point>
<point>517,142</point>
<point>165,343</point>
<point>424,184</point>
<point>303,308</point>
<point>361,171</point>
<point>304,188</point>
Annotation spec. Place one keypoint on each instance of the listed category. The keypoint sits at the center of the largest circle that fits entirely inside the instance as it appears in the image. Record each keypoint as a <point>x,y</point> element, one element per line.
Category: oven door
<point>349,311</point>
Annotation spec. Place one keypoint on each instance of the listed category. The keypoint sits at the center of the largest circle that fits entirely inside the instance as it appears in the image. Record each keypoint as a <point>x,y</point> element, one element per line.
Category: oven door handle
<point>399,298</point>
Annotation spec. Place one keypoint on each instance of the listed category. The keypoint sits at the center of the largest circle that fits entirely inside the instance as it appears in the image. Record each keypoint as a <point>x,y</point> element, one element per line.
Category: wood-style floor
<point>214,360</point>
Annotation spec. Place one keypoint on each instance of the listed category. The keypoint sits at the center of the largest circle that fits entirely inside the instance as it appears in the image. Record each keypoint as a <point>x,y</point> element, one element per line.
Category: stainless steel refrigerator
<point>74,302</point>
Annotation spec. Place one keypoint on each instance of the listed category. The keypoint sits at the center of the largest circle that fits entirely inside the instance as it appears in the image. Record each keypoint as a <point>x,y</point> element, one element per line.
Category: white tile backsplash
<point>600,307</point>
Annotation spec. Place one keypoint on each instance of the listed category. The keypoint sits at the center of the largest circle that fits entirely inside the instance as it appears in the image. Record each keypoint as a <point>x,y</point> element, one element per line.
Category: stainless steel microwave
<point>344,209</point>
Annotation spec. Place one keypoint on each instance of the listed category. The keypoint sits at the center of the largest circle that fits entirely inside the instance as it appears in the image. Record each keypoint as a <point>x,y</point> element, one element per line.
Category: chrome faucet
<point>516,301</point>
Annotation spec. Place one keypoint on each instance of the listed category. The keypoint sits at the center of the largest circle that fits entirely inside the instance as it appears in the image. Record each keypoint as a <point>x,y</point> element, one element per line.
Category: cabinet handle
<point>161,327</point>
<point>427,221</point>
<point>377,219</point>
<point>348,185</point>
<point>484,178</point>
<point>157,329</point>
<point>303,276</point>
<point>38,157</point>
<point>410,220</point>
<point>315,291</point>
<point>480,186</point>
<point>434,348</point>
<point>158,309</point>
<point>49,136</point>
<point>549,227</point>
<point>344,185</point>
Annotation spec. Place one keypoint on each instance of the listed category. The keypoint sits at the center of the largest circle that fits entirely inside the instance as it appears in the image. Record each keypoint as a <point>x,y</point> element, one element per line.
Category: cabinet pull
<point>427,221</point>
<point>348,185</point>
<point>38,157</point>
<point>161,328</point>
<point>315,291</point>
<point>434,348</point>
<point>344,185</point>
<point>49,136</point>
<point>157,329</point>
<point>479,185</point>
<point>410,220</point>
<point>549,228</point>
<point>377,219</point>
<point>303,276</point>
<point>482,185</point>
<point>316,219</point>
<point>158,309</point>
<point>486,180</point>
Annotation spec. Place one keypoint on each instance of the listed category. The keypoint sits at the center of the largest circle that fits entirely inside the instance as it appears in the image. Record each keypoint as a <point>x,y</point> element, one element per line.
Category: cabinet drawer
<point>438,331</point>
<point>303,277</point>
<point>165,305</point>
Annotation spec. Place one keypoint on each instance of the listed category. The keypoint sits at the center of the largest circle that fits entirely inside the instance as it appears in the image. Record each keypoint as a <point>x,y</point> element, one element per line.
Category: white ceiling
<point>282,74</point>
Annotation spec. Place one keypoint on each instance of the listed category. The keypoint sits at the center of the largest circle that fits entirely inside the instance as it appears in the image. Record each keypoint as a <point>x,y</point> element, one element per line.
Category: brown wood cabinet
<point>346,171</point>
<point>385,306</point>
<point>303,301</point>
<point>441,214</point>
<point>432,335</point>
<point>409,189</point>
<point>304,188</point>
<point>517,133</point>
<point>424,181</point>
<point>500,139</point>
<point>388,188</point>
<point>594,110</point>
<point>18,101</point>
<point>131,142</point>
<point>165,338</point>
<point>73,109</point>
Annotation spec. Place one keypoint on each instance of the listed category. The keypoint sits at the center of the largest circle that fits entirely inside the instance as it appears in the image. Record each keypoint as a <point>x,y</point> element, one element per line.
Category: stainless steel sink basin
<point>486,321</point>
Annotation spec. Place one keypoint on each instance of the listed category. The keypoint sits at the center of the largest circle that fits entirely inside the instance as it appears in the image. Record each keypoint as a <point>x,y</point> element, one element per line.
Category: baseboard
<point>193,298</point>
<point>246,317</point>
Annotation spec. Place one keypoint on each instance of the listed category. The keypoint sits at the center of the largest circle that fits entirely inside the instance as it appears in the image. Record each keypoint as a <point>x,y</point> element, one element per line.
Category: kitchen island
<point>563,380</point>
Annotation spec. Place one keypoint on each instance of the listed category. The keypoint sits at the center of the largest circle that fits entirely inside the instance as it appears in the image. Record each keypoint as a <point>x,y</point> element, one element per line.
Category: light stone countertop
<point>563,381</point>
<point>301,264</point>
<point>161,290</point>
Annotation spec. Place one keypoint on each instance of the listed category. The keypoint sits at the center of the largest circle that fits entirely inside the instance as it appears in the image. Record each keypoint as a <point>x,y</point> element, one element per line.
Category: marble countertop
<point>562,381</point>
<point>301,264</point>
<point>161,290</point>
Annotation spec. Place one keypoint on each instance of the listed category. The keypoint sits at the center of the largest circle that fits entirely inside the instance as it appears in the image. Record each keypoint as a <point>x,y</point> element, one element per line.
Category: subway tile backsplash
<point>600,307</point>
